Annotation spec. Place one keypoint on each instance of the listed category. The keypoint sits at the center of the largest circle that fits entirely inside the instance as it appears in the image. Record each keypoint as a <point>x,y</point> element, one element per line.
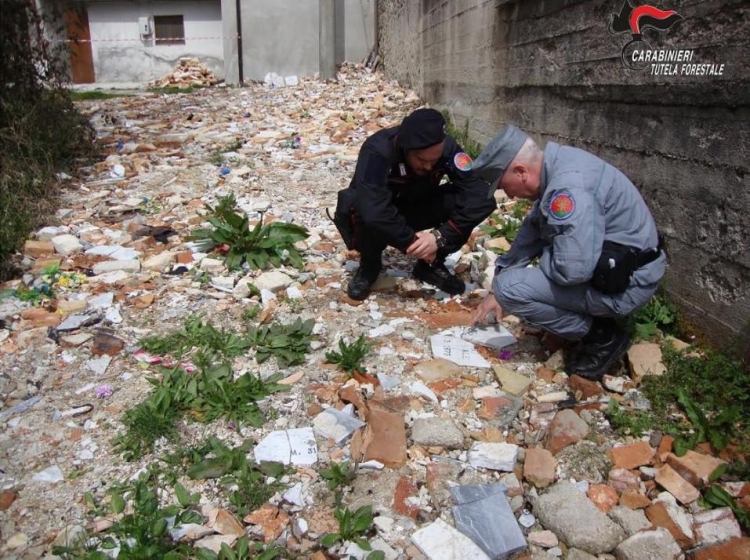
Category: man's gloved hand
<point>423,247</point>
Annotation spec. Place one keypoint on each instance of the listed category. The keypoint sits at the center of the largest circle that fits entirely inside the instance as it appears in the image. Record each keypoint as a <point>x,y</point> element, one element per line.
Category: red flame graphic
<point>642,11</point>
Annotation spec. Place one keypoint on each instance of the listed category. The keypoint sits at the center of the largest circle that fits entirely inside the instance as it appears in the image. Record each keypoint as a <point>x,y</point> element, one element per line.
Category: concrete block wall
<point>553,68</point>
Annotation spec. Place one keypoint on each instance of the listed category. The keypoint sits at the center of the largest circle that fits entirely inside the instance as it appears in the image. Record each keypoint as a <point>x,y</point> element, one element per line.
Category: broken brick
<point>539,467</point>
<point>658,515</point>
<point>632,456</point>
<point>672,482</point>
<point>603,496</point>
<point>405,489</point>
<point>694,467</point>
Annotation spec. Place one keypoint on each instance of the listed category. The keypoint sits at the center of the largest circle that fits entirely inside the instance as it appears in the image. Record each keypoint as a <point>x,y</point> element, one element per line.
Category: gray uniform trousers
<point>566,311</point>
<point>583,202</point>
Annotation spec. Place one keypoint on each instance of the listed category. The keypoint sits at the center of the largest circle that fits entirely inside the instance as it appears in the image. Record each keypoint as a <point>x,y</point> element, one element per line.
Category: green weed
<point>350,356</point>
<point>718,431</point>
<point>141,530</point>
<point>633,423</point>
<point>352,527</point>
<point>212,343</point>
<point>461,136</point>
<point>716,496</point>
<point>243,550</point>
<point>506,226</point>
<point>259,247</point>
<point>172,90</point>
<point>76,95</point>
<point>206,395</point>
<point>338,476</point>
<point>712,381</point>
<point>231,467</point>
<point>658,315</point>
<point>288,343</point>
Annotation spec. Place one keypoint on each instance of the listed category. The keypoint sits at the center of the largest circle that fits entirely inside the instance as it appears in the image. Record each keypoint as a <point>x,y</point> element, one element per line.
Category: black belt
<point>642,258</point>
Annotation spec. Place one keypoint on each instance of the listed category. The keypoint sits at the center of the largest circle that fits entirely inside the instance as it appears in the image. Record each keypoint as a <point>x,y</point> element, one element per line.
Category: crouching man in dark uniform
<point>599,253</point>
<point>398,193</point>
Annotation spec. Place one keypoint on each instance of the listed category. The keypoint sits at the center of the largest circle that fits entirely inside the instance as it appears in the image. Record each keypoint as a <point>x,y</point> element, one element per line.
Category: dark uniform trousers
<point>420,215</point>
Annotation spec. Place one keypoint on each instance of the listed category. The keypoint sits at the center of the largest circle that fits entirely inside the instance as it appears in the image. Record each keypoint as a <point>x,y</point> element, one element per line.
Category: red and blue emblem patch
<point>463,161</point>
<point>562,206</point>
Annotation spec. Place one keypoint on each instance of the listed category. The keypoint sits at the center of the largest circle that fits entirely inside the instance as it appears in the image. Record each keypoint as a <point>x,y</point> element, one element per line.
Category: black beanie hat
<point>422,129</point>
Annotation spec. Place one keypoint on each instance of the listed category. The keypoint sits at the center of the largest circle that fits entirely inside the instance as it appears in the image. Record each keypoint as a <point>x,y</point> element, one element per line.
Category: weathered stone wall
<point>553,68</point>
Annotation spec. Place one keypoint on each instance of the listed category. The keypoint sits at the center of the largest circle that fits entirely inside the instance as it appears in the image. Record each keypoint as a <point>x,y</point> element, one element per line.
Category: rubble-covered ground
<point>424,431</point>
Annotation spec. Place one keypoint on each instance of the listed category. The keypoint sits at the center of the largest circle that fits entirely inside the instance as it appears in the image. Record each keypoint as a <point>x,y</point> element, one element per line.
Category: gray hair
<point>529,153</point>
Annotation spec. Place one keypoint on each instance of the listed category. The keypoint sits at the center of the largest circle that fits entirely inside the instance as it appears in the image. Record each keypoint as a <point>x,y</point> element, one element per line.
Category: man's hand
<point>424,246</point>
<point>488,305</point>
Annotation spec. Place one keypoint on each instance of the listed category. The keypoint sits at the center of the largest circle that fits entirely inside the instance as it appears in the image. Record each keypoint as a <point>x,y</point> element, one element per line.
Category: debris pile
<point>383,424</point>
<point>189,72</point>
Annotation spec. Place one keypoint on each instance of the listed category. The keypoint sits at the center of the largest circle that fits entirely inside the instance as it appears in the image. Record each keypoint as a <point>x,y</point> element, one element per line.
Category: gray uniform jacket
<point>583,202</point>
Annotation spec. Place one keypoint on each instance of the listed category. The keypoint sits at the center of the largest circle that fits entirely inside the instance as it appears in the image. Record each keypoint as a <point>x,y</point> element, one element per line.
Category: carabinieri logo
<point>635,20</point>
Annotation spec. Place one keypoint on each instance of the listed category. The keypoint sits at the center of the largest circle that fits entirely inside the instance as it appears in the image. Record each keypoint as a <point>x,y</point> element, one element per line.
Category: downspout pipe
<point>239,41</point>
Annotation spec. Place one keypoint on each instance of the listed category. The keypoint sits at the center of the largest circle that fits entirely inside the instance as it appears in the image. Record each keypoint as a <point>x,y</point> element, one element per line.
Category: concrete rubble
<point>434,418</point>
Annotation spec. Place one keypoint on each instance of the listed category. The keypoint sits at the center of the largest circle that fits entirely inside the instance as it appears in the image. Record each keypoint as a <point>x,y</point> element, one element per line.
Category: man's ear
<point>520,170</point>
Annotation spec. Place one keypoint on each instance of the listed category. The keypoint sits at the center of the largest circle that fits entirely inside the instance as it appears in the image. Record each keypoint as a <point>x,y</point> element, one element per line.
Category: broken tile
<point>565,429</point>
<point>539,467</point>
<point>457,351</point>
<point>272,520</point>
<point>441,432</point>
<point>495,456</point>
<point>483,514</point>
<point>434,370</point>
<point>440,541</point>
<point>336,425</point>
<point>296,446</point>
<point>385,438</point>
<point>510,381</point>
<point>644,359</point>
<point>604,497</point>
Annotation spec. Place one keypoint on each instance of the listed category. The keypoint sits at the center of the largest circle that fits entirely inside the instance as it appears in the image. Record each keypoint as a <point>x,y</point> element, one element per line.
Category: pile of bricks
<point>189,72</point>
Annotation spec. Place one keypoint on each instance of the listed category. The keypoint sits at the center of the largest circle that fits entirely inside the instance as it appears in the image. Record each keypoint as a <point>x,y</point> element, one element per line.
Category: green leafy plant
<point>352,526</point>
<point>716,496</point>
<point>231,466</point>
<point>146,423</point>
<point>140,528</point>
<point>259,247</point>
<point>717,431</point>
<point>658,314</point>
<point>469,146</point>
<point>339,474</point>
<point>350,356</point>
<point>506,226</point>
<point>633,423</point>
<point>287,342</point>
<point>212,343</point>
<point>215,393</point>
<point>206,395</point>
<point>243,550</point>
<point>711,380</point>
<point>95,95</point>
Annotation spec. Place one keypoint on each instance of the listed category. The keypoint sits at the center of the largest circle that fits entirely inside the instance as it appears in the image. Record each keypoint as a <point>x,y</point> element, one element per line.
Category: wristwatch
<point>439,239</point>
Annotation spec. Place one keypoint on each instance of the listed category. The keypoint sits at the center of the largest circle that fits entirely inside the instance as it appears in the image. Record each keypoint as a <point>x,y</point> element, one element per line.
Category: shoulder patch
<point>463,161</point>
<point>562,206</point>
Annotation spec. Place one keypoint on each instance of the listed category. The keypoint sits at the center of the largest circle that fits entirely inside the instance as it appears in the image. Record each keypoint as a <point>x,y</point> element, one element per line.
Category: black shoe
<point>364,278</point>
<point>439,276</point>
<point>605,344</point>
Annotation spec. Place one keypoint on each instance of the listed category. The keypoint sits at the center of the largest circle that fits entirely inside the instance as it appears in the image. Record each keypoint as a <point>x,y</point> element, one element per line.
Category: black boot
<point>364,278</point>
<point>439,276</point>
<point>600,349</point>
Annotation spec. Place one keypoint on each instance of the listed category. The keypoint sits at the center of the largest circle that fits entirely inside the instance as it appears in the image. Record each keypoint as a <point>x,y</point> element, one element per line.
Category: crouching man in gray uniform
<point>599,252</point>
